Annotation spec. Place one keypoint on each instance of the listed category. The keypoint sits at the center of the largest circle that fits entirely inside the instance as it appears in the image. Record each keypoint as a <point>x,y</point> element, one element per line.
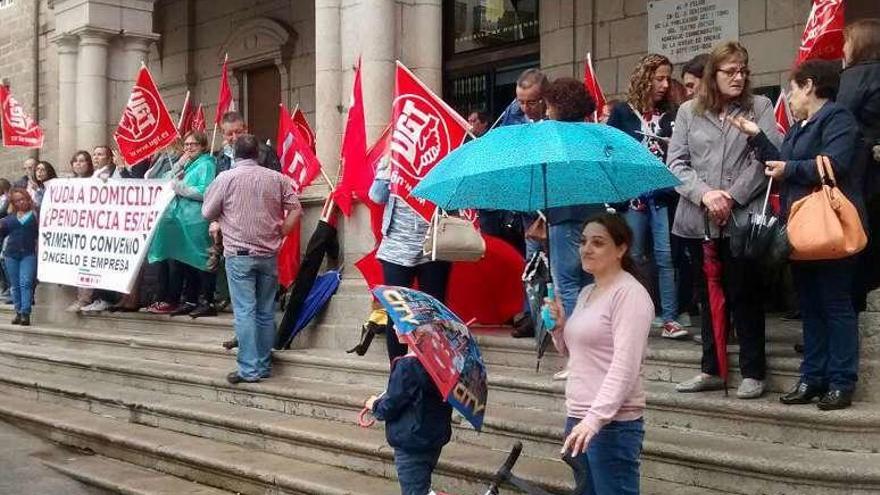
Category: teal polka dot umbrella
<point>543,165</point>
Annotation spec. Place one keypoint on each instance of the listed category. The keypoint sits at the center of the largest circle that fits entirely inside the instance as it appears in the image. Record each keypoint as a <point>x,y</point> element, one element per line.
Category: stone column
<point>423,42</point>
<point>129,59</point>
<point>92,89</point>
<point>67,54</point>
<point>328,83</point>
<point>377,50</point>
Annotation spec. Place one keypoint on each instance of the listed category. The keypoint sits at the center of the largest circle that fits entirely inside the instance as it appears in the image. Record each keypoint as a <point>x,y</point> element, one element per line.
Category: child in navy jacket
<point>417,423</point>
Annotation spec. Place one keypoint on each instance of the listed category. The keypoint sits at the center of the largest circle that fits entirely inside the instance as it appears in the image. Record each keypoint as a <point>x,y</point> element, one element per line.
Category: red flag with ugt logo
<point>146,126</point>
<point>783,114</point>
<point>424,130</point>
<point>297,159</point>
<point>198,120</point>
<point>823,34</point>
<point>592,85</point>
<point>299,120</point>
<point>19,129</point>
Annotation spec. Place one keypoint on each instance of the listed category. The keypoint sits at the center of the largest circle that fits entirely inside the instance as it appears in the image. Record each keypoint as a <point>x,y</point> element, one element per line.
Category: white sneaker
<point>560,375</point>
<point>657,322</point>
<point>750,389</point>
<point>685,320</point>
<point>701,383</point>
<point>673,330</point>
<point>74,307</point>
<point>97,306</point>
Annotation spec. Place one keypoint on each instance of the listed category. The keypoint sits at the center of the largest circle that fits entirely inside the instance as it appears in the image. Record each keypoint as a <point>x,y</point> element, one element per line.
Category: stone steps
<point>512,388</point>
<point>218,464</point>
<point>670,454</point>
<point>123,477</point>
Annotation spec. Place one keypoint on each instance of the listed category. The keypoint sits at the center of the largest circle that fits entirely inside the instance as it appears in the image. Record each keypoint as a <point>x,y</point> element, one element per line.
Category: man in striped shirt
<point>256,208</point>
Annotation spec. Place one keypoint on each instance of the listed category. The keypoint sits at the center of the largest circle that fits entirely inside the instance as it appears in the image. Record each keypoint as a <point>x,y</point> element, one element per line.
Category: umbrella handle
<point>362,419</point>
<point>766,197</point>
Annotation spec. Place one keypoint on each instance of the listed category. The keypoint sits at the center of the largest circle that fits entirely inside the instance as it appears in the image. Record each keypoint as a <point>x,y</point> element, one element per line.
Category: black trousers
<point>743,290</point>
<point>178,279</point>
<point>432,277</point>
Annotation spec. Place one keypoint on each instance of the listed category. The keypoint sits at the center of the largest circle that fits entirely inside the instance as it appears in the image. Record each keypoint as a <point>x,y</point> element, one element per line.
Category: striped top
<point>250,202</point>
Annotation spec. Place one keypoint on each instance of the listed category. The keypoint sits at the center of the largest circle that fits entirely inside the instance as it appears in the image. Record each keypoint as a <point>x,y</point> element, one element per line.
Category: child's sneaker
<point>673,330</point>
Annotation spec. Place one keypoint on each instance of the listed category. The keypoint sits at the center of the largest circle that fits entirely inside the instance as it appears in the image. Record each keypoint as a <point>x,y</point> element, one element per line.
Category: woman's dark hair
<point>824,74</point>
<point>621,234</point>
<point>864,38</point>
<point>26,195</point>
<point>88,158</point>
<point>50,171</point>
<point>570,98</point>
<point>5,186</point>
<point>695,66</point>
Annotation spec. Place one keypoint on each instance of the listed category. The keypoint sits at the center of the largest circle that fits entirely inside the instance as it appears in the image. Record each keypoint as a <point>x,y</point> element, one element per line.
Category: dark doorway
<point>262,87</point>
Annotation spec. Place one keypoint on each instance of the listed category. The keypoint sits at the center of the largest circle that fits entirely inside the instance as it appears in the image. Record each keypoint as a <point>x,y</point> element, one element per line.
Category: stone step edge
<point>446,466</point>
<point>678,447</point>
<point>75,423</point>
<point>668,401</point>
<point>123,477</point>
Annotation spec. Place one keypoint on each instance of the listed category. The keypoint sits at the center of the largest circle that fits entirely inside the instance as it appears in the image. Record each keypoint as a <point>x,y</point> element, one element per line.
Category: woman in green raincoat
<point>181,241</point>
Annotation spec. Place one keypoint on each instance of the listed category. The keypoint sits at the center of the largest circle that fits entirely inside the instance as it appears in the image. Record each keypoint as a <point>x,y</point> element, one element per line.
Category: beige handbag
<point>452,238</point>
<point>825,225</point>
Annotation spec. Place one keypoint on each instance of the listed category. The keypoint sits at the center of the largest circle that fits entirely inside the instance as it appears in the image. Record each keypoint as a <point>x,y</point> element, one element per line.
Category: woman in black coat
<point>860,94</point>
<point>830,365</point>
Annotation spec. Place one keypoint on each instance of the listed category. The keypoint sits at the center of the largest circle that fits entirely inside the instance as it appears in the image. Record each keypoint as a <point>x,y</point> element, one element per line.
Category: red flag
<point>288,258</point>
<point>823,34</point>
<point>299,120</point>
<point>782,113</point>
<point>224,98</point>
<point>425,129</point>
<point>592,85</point>
<point>146,126</point>
<point>297,159</point>
<point>354,148</point>
<point>19,129</point>
<point>198,121</point>
<point>187,114</point>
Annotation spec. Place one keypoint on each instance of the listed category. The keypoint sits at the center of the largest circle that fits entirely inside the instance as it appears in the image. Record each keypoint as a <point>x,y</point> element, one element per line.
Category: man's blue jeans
<point>831,326</point>
<point>22,272</point>
<point>612,458</point>
<point>568,273</point>
<point>414,470</point>
<point>653,221</point>
<point>253,281</point>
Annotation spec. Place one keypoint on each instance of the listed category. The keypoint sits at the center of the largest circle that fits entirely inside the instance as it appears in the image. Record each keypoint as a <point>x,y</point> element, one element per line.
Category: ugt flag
<point>424,130</point>
<point>19,129</point>
<point>224,95</point>
<point>146,126</point>
<point>299,120</point>
<point>782,114</point>
<point>298,161</point>
<point>354,147</point>
<point>823,34</point>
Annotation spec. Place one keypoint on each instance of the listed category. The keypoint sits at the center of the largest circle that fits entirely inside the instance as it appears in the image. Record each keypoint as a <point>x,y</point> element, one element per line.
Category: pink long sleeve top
<point>605,340</point>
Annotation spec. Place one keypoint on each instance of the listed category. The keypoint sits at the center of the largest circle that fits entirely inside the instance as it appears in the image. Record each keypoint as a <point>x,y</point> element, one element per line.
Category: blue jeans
<point>653,221</point>
<point>568,274</point>
<point>22,272</point>
<point>414,470</point>
<point>831,327</point>
<point>612,457</point>
<point>253,281</point>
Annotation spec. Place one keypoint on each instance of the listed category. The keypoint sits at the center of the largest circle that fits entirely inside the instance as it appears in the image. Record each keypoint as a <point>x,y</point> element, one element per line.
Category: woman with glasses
<point>181,241</point>
<point>722,181</point>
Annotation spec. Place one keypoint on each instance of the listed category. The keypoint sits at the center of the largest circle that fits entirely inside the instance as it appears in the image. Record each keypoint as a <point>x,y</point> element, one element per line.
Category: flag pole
<point>182,110</point>
<point>213,137</point>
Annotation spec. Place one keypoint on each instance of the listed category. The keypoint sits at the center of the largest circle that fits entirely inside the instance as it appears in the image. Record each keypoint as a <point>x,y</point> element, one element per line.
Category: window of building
<point>485,23</point>
<point>5,3</point>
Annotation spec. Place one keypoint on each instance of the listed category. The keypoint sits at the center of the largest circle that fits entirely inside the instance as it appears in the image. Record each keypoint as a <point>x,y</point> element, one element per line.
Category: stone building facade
<point>72,62</point>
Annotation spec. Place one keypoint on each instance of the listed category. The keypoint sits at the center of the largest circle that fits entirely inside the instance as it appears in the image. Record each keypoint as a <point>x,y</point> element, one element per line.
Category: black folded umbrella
<point>760,236</point>
<point>323,243</point>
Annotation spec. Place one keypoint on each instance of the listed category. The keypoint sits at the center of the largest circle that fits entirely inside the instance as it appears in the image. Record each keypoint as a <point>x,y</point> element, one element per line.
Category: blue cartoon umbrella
<point>444,346</point>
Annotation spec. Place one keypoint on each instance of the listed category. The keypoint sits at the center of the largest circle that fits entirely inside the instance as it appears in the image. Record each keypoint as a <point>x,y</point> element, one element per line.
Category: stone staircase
<point>147,397</point>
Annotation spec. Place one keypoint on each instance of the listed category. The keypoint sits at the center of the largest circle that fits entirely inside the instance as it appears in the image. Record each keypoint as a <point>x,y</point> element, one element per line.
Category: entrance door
<point>262,96</point>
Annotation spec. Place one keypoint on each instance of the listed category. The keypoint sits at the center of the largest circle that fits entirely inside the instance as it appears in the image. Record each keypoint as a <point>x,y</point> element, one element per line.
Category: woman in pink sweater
<point>605,340</point>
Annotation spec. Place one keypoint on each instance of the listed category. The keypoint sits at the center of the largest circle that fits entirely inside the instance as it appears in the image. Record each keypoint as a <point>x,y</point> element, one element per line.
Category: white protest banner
<point>96,234</point>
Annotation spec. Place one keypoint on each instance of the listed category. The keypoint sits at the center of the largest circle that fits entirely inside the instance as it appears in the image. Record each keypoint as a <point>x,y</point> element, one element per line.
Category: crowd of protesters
<point>610,263</point>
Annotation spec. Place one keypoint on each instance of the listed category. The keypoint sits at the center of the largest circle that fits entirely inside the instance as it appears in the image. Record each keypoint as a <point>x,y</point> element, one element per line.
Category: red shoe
<point>161,308</point>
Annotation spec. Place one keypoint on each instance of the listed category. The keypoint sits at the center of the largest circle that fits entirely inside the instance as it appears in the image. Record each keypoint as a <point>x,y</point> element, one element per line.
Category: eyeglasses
<point>731,73</point>
<point>530,103</point>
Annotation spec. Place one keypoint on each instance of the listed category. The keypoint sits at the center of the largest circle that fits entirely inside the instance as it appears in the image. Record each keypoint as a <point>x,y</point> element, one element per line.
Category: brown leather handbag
<point>825,225</point>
